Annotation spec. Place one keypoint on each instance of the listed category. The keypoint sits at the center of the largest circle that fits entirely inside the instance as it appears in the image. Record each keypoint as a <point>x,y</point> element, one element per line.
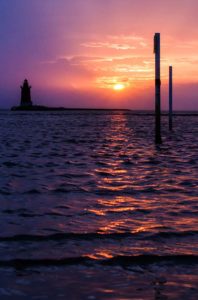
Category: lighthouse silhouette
<point>26,94</point>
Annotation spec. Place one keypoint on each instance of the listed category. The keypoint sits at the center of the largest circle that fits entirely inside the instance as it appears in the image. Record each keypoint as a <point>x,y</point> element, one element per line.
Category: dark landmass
<point>36,108</point>
<point>47,108</point>
<point>133,112</point>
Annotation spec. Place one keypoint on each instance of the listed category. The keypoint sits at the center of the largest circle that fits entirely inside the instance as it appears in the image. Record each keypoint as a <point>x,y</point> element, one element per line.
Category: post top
<point>156,42</point>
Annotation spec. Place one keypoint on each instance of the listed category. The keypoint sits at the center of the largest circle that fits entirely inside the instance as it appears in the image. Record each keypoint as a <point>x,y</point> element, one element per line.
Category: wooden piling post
<point>158,139</point>
<point>170,98</point>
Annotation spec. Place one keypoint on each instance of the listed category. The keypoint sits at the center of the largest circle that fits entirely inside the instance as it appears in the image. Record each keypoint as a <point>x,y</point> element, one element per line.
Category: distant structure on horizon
<point>27,105</point>
<point>26,94</point>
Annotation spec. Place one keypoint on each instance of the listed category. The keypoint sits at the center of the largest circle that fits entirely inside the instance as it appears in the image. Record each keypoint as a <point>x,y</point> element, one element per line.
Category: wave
<point>123,261</point>
<point>95,236</point>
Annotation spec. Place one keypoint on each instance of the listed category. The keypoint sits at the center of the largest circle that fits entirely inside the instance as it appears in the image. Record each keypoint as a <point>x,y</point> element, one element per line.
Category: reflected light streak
<point>113,226</point>
<point>100,254</point>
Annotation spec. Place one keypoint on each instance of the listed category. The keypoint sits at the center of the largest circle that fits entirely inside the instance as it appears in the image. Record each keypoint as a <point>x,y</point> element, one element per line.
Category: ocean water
<point>91,208</point>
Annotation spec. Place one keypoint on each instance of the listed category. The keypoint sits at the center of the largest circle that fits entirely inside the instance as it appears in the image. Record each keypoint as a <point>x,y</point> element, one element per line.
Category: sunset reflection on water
<point>93,187</point>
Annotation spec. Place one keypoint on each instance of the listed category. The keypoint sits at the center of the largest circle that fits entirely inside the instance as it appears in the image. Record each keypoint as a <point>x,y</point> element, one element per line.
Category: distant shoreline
<point>38,108</point>
<point>47,108</point>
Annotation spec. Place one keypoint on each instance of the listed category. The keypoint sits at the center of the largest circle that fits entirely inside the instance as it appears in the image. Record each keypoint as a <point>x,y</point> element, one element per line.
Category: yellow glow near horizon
<point>118,86</point>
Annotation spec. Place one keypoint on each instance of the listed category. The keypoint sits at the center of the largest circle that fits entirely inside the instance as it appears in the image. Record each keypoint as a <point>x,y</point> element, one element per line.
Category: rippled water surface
<point>80,189</point>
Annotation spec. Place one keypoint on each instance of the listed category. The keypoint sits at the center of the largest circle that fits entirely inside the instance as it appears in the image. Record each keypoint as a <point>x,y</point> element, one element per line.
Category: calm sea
<point>91,208</point>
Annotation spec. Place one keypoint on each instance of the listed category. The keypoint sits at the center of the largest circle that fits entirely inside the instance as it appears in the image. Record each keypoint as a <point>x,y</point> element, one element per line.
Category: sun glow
<point>118,87</point>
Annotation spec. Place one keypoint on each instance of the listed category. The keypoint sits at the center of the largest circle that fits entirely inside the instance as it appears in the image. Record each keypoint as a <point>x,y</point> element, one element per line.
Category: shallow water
<point>83,188</point>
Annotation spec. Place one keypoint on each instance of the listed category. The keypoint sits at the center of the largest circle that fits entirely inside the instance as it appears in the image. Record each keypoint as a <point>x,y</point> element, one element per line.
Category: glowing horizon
<point>74,54</point>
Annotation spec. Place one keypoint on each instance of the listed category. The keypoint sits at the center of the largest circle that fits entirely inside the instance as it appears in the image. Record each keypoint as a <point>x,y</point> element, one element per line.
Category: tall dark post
<point>170,98</point>
<point>158,139</point>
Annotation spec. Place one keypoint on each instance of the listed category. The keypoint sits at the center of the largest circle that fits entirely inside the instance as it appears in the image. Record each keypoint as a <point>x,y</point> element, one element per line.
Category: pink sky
<point>75,52</point>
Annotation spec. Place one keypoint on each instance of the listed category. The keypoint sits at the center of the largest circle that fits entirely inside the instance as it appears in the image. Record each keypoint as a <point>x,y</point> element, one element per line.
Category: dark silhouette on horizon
<point>26,94</point>
<point>27,105</point>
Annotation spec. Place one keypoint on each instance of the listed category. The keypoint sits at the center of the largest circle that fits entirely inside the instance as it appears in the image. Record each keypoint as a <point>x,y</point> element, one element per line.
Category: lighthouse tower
<point>26,94</point>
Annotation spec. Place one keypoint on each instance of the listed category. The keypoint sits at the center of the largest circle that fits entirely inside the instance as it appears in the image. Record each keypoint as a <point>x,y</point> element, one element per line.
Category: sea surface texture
<point>91,208</point>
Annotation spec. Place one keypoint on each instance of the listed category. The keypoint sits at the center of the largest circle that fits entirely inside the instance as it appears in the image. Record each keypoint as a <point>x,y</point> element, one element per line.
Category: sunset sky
<point>98,53</point>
